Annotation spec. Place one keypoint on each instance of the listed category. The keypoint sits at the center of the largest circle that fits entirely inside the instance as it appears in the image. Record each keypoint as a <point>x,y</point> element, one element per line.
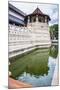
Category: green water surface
<point>36,67</point>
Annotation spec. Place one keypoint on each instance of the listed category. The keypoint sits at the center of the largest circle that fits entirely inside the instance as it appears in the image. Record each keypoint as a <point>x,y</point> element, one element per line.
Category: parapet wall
<point>22,39</point>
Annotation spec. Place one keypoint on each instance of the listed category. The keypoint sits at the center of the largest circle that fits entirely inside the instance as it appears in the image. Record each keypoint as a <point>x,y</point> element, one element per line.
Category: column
<point>28,19</point>
<point>45,19</point>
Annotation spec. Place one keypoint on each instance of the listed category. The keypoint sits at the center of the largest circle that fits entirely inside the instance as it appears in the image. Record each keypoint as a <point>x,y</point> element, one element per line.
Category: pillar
<point>45,19</point>
<point>28,19</point>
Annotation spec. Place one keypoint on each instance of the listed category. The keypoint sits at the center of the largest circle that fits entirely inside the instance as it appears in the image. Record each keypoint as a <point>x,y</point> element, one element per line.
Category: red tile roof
<point>37,11</point>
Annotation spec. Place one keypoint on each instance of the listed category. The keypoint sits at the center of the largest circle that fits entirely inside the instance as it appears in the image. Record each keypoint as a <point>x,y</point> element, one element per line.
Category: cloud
<point>49,9</point>
<point>54,15</point>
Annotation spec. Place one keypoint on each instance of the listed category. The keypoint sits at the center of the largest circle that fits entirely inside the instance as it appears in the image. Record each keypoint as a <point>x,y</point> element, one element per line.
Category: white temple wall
<point>30,36</point>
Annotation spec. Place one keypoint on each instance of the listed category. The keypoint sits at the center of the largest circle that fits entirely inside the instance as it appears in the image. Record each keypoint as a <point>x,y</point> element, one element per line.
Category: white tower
<point>38,23</point>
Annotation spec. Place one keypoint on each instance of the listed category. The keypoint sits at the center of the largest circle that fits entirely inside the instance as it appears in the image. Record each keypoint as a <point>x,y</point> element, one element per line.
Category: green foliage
<point>54,31</point>
<point>54,51</point>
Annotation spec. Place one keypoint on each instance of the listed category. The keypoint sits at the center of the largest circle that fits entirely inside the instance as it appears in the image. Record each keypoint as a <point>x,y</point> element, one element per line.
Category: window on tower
<point>34,19</point>
<point>39,18</point>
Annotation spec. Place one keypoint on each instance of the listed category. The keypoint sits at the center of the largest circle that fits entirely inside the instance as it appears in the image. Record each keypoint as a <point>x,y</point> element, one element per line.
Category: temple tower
<point>38,23</point>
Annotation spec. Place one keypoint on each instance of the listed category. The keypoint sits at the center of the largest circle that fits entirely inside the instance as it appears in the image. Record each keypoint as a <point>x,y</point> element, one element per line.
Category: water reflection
<point>53,51</point>
<point>37,67</point>
<point>39,64</point>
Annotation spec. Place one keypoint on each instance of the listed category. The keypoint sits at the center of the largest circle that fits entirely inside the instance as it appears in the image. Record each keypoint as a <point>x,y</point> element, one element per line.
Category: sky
<point>50,9</point>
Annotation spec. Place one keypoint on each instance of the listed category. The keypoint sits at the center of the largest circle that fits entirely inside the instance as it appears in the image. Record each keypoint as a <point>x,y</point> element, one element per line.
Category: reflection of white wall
<point>16,15</point>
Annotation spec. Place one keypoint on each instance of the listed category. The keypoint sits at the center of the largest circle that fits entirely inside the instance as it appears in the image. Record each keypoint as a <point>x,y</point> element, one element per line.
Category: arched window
<point>41,19</point>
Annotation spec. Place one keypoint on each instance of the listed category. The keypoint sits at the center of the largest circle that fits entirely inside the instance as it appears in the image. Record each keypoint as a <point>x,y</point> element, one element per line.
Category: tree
<point>54,31</point>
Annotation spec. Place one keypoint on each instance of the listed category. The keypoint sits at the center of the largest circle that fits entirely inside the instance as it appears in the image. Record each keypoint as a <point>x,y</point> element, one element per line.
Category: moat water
<point>37,67</point>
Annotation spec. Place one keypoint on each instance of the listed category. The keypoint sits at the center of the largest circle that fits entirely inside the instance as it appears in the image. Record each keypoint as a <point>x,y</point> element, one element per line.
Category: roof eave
<point>38,14</point>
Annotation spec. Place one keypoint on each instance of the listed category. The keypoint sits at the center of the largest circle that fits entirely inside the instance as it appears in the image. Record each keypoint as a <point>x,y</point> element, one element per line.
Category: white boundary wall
<point>22,39</point>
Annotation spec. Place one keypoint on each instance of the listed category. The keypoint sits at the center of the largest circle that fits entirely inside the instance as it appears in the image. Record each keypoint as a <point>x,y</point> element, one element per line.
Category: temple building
<point>37,16</point>
<point>27,32</point>
<point>16,16</point>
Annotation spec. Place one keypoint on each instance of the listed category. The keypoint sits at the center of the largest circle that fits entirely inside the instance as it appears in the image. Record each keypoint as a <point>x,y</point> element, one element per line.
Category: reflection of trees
<point>34,63</point>
<point>54,51</point>
<point>38,66</point>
